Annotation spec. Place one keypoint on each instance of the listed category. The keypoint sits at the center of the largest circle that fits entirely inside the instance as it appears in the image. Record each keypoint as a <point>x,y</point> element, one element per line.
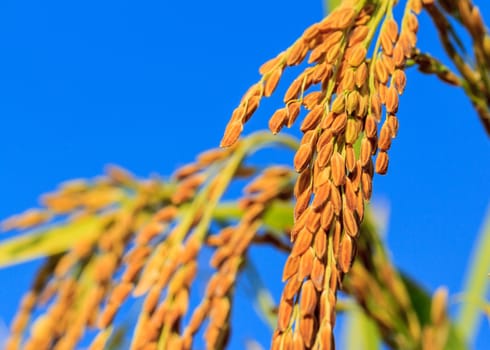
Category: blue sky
<point>148,85</point>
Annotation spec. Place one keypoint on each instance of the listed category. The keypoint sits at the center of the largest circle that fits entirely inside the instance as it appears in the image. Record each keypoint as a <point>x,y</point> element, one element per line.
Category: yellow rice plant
<point>116,238</point>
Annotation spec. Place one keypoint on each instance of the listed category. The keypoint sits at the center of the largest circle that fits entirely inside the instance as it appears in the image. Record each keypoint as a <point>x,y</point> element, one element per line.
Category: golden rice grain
<point>211,336</point>
<point>302,157</point>
<point>384,142</point>
<point>302,242</point>
<point>392,121</point>
<point>326,306</point>
<point>438,309</point>
<point>416,6</point>
<point>325,154</point>
<point>317,273</point>
<point>19,323</point>
<point>272,81</point>
<point>366,185</point>
<point>226,282</point>
<point>376,106</point>
<point>326,337</point>
<point>105,266</point>
<point>284,314</point>
<point>352,102</point>
<point>333,53</point>
<point>346,254</point>
<point>296,53</point>
<point>290,267</point>
<point>237,113</point>
<point>13,342</point>
<point>198,316</point>
<point>305,264</point>
<point>321,72</point>
<point>254,211</point>
<point>271,64</point>
<point>339,124</point>
<point>348,81</point>
<point>350,157</point>
<point>391,28</point>
<point>366,151</point>
<point>388,63</point>
<point>293,112</point>
<point>307,328</point>
<point>232,132</point>
<point>352,130</point>
<point>186,171</point>
<point>312,118</point>
<point>350,194</point>
<point>251,106</point>
<point>386,43</point>
<point>120,293</point>
<point>220,255</point>
<point>370,127</point>
<point>291,288</point>
<point>338,169</point>
<point>399,80</point>
<point>107,316</point>
<point>298,343</point>
<point>360,206</point>
<point>361,74</point>
<point>322,176</point>
<point>294,89</point>
<point>338,104</point>
<point>29,218</point>
<point>149,231</point>
<point>220,311</point>
<point>276,340</point>
<point>28,301</point>
<point>327,216</point>
<point>287,340</point>
<point>312,99</point>
<point>253,91</point>
<point>321,195</point>
<point>363,106</point>
<point>192,247</point>
<point>152,299</point>
<point>412,22</point>
<point>363,19</point>
<point>59,204</point>
<point>313,221</point>
<point>382,163</point>
<point>392,100</point>
<point>358,34</point>
<point>336,199</point>
<point>343,17</point>
<point>320,243</point>
<point>326,134</point>
<point>309,299</point>
<point>181,301</point>
<point>302,183</point>
<point>317,53</point>
<point>398,55</point>
<point>355,176</point>
<point>311,33</point>
<point>380,72</point>
<point>211,156</point>
<point>302,203</point>
<point>405,42</point>
<point>357,55</point>
<point>350,222</point>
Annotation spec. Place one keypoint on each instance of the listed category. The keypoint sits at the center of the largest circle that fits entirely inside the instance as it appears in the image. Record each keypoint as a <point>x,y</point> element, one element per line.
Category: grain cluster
<point>349,102</point>
<point>143,239</point>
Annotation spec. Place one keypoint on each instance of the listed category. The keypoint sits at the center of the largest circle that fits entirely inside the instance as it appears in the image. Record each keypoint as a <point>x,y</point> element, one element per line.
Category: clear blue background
<point>147,85</point>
